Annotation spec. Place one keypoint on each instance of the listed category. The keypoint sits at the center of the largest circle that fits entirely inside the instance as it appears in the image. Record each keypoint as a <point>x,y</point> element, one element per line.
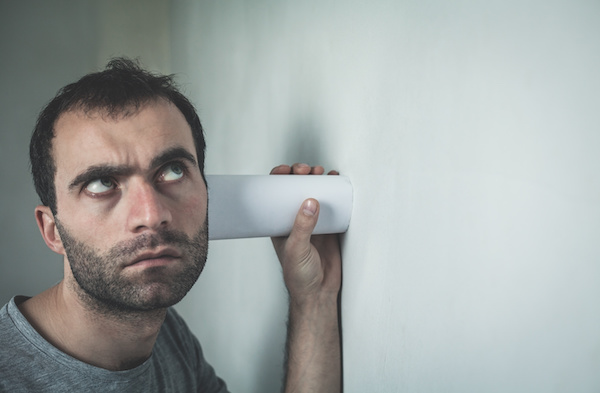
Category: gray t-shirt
<point>28,363</point>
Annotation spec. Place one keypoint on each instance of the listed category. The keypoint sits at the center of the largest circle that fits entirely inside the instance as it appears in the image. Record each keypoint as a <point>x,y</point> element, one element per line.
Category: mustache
<point>147,241</point>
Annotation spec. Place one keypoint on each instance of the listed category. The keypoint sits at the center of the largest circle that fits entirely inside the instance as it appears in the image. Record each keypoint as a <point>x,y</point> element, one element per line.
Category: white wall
<point>470,133</point>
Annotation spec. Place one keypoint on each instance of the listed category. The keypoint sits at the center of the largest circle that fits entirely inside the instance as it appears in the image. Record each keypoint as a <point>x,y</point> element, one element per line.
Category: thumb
<point>305,222</point>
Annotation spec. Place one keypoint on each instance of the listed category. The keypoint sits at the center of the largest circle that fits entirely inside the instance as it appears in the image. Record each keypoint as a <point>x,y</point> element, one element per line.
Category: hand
<point>312,270</point>
<point>311,264</point>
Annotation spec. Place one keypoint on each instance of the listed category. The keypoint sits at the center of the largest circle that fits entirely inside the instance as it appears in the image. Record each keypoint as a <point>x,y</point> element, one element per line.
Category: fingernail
<point>309,207</point>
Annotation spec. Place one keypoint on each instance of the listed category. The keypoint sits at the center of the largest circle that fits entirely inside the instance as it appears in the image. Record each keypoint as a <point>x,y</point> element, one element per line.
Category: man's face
<point>131,207</point>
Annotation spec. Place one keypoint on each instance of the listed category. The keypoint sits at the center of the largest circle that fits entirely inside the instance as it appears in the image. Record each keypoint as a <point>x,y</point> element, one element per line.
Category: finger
<point>301,169</point>
<point>281,170</point>
<point>317,170</point>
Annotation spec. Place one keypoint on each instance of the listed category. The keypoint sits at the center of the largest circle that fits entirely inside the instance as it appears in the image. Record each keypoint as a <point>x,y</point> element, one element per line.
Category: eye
<point>171,172</point>
<point>100,186</point>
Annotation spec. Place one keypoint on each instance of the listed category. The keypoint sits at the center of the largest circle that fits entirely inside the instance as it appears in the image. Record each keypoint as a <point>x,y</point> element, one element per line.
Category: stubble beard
<point>102,286</point>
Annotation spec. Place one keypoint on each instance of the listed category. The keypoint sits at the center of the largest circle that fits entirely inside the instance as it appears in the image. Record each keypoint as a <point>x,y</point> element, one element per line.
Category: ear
<point>47,226</point>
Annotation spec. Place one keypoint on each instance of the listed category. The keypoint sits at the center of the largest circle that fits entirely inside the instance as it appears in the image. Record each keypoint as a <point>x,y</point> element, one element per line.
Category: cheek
<point>89,224</point>
<point>193,211</point>
<point>89,230</point>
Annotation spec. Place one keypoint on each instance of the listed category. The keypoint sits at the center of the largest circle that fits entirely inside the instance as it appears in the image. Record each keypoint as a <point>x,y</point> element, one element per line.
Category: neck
<point>111,340</point>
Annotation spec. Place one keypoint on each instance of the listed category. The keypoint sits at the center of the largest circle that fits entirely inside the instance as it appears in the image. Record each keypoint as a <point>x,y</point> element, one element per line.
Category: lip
<point>156,258</point>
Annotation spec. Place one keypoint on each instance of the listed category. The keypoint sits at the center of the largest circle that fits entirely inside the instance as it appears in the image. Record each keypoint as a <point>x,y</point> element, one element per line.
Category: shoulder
<point>176,344</point>
<point>13,324</point>
<point>7,326</point>
<point>179,352</point>
<point>23,350</point>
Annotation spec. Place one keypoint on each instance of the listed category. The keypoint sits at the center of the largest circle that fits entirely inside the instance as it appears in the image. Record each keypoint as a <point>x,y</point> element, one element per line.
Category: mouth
<point>158,258</point>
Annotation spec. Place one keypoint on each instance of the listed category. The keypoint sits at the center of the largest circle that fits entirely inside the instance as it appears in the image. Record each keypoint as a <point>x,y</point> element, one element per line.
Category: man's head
<point>126,200</point>
<point>118,91</point>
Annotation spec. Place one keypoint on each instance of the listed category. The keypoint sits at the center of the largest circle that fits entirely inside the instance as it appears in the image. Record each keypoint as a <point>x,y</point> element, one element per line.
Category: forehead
<point>83,139</point>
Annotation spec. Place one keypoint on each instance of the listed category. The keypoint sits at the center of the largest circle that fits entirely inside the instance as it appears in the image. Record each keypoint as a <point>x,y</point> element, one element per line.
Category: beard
<point>105,288</point>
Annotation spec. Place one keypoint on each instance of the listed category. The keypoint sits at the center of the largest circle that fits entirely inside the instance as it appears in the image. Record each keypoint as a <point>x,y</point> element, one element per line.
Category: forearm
<point>313,347</point>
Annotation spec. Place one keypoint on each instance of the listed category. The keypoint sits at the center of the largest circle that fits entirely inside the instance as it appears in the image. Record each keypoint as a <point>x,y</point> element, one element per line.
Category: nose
<point>147,208</point>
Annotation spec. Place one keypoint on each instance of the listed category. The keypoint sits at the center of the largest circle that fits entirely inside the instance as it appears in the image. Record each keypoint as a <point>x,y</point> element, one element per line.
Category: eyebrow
<point>172,154</point>
<point>103,171</point>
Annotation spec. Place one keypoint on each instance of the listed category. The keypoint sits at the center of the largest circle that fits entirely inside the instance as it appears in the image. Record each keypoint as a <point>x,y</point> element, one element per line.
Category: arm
<point>312,272</point>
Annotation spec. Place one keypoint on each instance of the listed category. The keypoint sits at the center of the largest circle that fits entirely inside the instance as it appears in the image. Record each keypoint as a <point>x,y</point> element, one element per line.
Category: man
<point>118,162</point>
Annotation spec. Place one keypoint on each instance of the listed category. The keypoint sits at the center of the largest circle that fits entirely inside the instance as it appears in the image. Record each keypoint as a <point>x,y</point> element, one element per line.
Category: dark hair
<point>120,90</point>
